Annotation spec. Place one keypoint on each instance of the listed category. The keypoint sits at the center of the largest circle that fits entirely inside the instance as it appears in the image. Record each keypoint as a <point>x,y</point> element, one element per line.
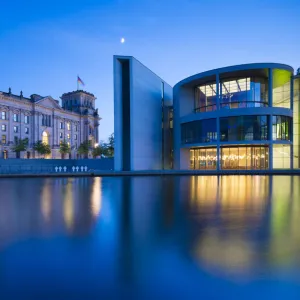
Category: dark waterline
<point>230,237</point>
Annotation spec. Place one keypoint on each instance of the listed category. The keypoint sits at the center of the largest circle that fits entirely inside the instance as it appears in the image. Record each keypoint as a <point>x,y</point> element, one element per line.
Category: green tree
<point>111,145</point>
<point>42,148</point>
<point>64,148</point>
<point>101,149</point>
<point>83,149</point>
<point>19,146</point>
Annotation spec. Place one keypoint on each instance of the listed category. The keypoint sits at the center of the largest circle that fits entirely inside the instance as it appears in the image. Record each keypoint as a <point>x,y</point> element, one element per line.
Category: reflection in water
<point>151,232</point>
<point>68,204</point>
<point>96,199</point>
<point>46,201</point>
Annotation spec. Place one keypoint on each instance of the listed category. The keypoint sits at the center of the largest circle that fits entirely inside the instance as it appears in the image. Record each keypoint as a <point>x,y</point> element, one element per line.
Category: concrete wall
<point>145,122</point>
<point>19,166</point>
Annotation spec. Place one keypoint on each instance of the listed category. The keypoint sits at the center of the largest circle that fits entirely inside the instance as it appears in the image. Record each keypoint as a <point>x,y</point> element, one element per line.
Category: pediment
<point>49,102</point>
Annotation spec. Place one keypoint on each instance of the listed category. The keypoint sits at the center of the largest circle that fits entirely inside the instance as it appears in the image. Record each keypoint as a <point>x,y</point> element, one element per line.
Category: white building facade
<point>43,119</point>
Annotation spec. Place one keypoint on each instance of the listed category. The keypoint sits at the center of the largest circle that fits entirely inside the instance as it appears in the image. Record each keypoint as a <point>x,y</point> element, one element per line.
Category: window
<point>26,130</point>
<point>68,126</point>
<point>26,119</point>
<point>46,120</point>
<point>242,158</point>
<point>244,128</point>
<point>203,158</point>
<point>16,129</point>
<point>206,98</point>
<point>75,137</point>
<point>16,117</point>
<point>281,128</point>
<point>244,92</point>
<point>3,127</point>
<point>16,140</point>
<point>61,125</point>
<point>3,139</point>
<point>68,136</point>
<point>202,131</point>
<point>3,115</point>
<point>281,88</point>
<point>281,156</point>
<point>61,135</point>
<point>76,128</point>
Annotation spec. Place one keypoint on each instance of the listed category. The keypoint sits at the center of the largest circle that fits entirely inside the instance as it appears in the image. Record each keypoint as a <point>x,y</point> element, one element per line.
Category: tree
<point>83,149</point>
<point>19,146</point>
<point>64,148</point>
<point>42,148</point>
<point>101,149</point>
<point>111,145</point>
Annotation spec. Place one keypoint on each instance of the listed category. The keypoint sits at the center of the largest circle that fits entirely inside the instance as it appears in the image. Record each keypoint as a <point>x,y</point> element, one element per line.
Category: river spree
<point>208,237</point>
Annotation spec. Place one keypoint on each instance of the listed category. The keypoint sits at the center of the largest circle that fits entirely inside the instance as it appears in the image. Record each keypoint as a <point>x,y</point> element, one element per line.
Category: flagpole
<point>77,83</point>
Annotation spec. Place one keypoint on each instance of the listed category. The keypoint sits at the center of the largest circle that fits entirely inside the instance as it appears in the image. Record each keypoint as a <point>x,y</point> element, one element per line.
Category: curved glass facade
<point>202,131</point>
<point>232,158</point>
<point>244,92</point>
<point>244,128</point>
<point>263,134</point>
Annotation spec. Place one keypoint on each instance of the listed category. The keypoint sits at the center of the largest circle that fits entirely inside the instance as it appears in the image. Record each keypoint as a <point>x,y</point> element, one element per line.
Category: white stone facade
<point>43,119</point>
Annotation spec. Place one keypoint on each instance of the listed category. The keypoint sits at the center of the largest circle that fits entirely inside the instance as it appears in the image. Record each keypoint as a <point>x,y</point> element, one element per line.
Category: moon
<point>122,40</point>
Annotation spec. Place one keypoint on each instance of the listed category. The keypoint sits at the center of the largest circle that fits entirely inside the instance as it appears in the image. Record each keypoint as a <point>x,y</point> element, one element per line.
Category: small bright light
<point>96,145</point>
<point>122,40</point>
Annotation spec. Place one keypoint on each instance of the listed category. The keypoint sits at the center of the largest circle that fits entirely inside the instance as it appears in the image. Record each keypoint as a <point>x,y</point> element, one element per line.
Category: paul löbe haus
<point>43,119</point>
<point>243,117</point>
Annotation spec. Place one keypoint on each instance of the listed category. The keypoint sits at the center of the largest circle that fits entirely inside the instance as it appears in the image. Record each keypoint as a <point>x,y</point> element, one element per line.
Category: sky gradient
<point>43,46</point>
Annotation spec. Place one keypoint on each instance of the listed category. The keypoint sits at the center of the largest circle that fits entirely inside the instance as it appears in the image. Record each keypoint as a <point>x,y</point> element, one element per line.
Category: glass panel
<point>192,159</point>
<point>202,131</point>
<point>206,98</point>
<point>244,128</point>
<point>203,159</point>
<point>254,157</point>
<point>281,156</point>
<point>244,92</point>
<point>281,88</point>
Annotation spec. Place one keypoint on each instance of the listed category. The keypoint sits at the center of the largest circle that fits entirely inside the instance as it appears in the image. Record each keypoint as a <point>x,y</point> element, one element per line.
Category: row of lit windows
<point>27,132</point>
<point>46,120</point>
<point>68,136</point>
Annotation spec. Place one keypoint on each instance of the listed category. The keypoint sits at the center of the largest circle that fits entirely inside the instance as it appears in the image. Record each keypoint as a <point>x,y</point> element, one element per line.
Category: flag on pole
<point>79,80</point>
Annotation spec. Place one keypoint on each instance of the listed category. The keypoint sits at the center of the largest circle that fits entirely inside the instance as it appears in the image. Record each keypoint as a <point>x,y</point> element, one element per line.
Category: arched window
<point>45,138</point>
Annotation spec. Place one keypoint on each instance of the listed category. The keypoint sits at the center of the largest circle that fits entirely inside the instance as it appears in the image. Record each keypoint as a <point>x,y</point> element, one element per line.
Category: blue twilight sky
<point>45,44</point>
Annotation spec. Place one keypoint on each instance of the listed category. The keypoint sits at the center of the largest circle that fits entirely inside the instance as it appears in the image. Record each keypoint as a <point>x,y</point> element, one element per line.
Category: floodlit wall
<point>138,98</point>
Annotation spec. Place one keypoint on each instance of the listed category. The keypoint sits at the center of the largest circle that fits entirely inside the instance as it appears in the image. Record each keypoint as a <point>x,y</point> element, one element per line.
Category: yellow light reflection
<point>46,201</point>
<point>96,199</point>
<point>68,205</point>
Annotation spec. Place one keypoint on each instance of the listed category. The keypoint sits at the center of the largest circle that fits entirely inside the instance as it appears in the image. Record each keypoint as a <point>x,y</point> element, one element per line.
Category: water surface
<point>198,237</point>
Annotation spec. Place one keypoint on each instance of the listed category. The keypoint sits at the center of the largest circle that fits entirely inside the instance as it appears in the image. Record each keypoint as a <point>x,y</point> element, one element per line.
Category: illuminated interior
<point>281,156</point>
<point>45,138</point>
<point>251,157</point>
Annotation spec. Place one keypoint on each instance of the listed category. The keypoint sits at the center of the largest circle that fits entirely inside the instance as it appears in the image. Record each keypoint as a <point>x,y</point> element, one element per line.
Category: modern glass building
<point>243,117</point>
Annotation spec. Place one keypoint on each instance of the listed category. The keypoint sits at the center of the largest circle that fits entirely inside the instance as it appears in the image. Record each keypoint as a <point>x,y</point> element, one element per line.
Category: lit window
<point>26,120</point>
<point>3,127</point>
<point>68,136</point>
<point>26,130</point>
<point>3,139</point>
<point>16,129</point>
<point>3,115</point>
<point>68,126</point>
